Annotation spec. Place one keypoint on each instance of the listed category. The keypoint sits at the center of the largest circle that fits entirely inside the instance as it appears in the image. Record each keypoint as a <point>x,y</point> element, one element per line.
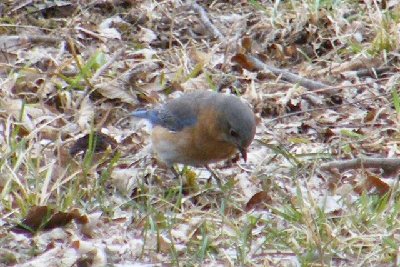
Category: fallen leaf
<point>242,60</point>
<point>372,182</point>
<point>46,218</point>
<point>257,200</point>
<point>101,140</point>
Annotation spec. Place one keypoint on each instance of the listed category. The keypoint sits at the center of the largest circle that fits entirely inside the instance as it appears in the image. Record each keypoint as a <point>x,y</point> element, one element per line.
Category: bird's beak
<point>243,152</point>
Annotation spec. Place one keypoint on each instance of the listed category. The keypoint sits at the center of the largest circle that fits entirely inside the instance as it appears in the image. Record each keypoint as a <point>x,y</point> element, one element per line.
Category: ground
<point>79,185</point>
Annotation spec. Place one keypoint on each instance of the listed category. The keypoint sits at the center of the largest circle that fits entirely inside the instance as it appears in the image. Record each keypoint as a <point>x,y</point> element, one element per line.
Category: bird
<point>200,128</point>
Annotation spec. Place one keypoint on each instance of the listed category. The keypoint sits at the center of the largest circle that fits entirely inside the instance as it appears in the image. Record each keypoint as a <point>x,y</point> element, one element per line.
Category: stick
<point>388,164</point>
<point>285,75</point>
<point>206,21</point>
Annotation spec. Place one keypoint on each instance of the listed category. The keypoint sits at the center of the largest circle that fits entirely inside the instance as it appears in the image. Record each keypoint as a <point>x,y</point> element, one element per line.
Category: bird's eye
<point>233,133</point>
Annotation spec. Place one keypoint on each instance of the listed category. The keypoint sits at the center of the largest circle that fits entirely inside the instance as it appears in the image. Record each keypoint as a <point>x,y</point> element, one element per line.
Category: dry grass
<point>71,73</point>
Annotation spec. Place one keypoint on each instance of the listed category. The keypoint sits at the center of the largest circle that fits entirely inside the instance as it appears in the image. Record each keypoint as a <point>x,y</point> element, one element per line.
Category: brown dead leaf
<point>243,61</point>
<point>84,262</point>
<point>327,135</point>
<point>291,51</point>
<point>92,224</point>
<point>101,140</point>
<point>75,244</point>
<point>164,243</point>
<point>372,182</point>
<point>277,52</point>
<point>47,218</point>
<point>371,114</point>
<point>246,44</point>
<point>257,200</point>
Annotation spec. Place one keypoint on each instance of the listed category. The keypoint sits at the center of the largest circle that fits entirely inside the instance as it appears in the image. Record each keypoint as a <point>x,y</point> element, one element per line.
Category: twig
<point>372,71</point>
<point>24,39</point>
<point>387,164</point>
<point>285,75</point>
<point>20,6</point>
<point>206,21</point>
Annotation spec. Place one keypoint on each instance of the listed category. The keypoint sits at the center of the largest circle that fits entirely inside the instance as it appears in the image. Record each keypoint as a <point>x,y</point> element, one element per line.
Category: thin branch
<point>206,21</point>
<point>374,72</point>
<point>12,40</point>
<point>285,75</point>
<point>387,164</point>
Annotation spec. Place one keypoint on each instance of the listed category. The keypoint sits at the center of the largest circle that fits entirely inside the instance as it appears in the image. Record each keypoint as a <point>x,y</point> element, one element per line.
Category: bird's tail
<point>141,113</point>
<point>151,115</point>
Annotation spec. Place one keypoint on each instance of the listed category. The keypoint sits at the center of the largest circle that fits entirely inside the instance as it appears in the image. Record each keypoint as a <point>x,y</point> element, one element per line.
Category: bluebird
<point>200,128</point>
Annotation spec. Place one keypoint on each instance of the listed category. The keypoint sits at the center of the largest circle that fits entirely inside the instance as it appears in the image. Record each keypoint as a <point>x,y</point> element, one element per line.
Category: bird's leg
<point>175,172</point>
<point>178,175</point>
<point>213,174</point>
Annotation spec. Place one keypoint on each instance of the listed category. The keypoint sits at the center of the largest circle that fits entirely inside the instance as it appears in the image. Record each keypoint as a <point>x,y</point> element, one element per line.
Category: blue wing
<point>170,117</point>
<point>178,113</point>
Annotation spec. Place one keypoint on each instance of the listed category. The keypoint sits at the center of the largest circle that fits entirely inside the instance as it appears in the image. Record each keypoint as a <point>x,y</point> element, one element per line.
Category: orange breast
<point>198,145</point>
